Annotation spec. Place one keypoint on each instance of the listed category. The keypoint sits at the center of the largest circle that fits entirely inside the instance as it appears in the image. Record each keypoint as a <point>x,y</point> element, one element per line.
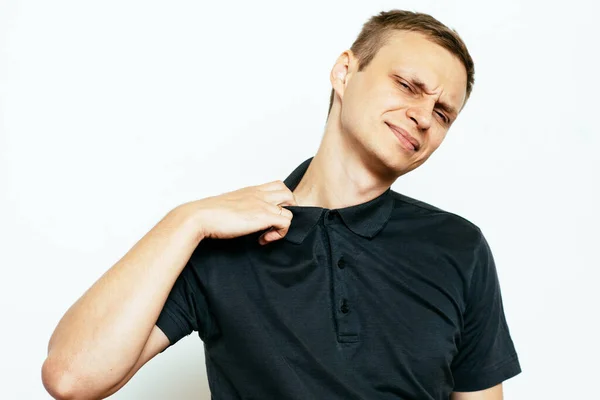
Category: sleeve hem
<point>489,378</point>
<point>170,327</point>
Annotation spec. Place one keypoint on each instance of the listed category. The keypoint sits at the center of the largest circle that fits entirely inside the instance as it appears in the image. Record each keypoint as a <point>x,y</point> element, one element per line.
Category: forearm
<point>101,336</point>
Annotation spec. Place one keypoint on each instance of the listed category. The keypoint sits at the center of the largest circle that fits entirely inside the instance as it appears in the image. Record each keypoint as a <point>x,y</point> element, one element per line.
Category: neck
<point>339,176</point>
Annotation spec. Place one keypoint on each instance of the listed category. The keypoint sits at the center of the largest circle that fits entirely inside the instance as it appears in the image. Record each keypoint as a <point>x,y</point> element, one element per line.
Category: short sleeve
<point>486,355</point>
<point>186,308</point>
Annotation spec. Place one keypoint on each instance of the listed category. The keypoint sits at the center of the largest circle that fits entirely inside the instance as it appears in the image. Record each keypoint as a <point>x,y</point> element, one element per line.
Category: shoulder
<point>440,222</point>
<point>448,237</point>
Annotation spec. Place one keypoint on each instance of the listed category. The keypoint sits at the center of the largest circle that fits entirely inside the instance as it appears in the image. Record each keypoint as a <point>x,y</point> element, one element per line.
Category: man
<point>326,286</point>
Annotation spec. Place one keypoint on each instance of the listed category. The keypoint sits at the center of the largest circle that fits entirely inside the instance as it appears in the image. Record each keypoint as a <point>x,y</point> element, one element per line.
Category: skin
<point>359,156</point>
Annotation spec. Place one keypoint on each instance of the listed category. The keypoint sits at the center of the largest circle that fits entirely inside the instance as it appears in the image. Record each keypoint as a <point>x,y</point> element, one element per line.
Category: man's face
<point>412,84</point>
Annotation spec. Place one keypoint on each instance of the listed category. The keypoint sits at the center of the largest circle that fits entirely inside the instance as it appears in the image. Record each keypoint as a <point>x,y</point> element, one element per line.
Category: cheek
<point>365,105</point>
<point>436,139</point>
<point>370,96</point>
<point>391,100</point>
<point>355,106</point>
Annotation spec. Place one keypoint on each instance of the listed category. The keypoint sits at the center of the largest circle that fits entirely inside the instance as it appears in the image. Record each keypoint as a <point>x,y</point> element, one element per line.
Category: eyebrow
<point>441,104</point>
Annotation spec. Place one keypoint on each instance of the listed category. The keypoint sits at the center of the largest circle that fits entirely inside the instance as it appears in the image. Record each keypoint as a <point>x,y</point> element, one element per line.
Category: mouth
<point>404,137</point>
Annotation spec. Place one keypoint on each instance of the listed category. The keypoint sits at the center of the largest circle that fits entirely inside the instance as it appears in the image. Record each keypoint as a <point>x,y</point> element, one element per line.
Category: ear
<point>339,73</point>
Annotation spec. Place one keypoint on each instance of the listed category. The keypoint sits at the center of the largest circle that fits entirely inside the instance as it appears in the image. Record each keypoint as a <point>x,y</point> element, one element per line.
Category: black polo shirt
<point>389,299</point>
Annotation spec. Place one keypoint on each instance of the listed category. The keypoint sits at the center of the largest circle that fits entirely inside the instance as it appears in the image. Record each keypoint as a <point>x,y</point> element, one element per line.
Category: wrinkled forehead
<point>415,54</point>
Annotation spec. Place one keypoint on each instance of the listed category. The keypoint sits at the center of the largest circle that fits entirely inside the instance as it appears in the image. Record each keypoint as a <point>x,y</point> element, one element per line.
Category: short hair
<point>379,28</point>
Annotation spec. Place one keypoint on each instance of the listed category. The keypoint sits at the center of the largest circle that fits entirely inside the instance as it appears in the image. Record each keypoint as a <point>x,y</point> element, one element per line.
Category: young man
<point>326,286</point>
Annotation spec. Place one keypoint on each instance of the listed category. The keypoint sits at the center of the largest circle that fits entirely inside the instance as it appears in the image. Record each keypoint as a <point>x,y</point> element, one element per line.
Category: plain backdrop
<point>115,112</point>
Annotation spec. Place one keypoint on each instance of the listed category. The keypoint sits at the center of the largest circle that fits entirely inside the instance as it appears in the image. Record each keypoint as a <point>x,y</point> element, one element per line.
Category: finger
<point>274,185</point>
<point>272,236</point>
<point>279,228</point>
<point>283,212</point>
<point>269,236</point>
<point>283,197</point>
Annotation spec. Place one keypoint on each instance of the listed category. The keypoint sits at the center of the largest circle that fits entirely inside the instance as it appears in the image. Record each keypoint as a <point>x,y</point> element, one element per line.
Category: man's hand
<point>246,211</point>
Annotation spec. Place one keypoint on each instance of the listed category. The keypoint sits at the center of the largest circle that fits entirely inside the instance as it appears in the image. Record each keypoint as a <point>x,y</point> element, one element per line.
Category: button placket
<point>344,307</point>
<point>342,294</point>
<point>347,326</point>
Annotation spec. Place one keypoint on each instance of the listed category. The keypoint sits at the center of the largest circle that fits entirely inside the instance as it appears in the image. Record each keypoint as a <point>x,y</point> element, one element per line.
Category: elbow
<point>60,383</point>
<point>56,381</point>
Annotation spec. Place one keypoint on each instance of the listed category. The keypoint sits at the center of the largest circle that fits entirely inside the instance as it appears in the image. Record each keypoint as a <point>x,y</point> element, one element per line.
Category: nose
<point>421,116</point>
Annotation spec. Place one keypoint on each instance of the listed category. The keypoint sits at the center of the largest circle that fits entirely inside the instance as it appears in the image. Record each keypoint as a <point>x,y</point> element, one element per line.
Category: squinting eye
<point>405,86</point>
<point>443,116</point>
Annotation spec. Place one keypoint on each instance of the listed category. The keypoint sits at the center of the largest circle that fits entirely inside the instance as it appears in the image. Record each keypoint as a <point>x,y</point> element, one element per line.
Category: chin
<point>393,163</point>
<point>403,162</point>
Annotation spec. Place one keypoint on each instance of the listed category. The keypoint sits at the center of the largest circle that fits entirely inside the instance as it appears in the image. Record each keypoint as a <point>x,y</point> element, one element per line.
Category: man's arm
<point>114,328</point>
<point>101,337</point>
<point>493,393</point>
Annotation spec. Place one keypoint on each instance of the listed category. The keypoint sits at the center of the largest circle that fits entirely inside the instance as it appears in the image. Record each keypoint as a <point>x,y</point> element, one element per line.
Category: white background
<point>114,112</point>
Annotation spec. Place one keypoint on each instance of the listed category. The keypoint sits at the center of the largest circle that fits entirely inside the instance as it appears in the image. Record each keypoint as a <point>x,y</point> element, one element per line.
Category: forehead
<point>414,54</point>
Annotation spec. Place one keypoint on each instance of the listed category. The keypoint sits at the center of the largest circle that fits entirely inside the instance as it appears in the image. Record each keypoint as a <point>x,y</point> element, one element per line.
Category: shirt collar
<point>366,219</point>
